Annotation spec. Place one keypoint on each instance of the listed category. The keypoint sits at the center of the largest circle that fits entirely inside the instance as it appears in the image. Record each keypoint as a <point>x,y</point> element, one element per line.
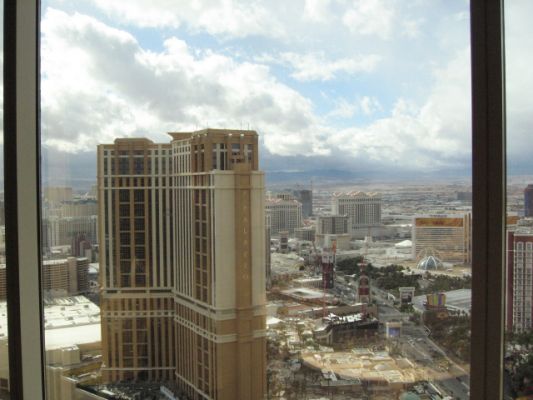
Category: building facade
<point>519,280</point>
<point>182,262</point>
<point>332,224</point>
<point>268,257</point>
<point>446,236</point>
<point>528,201</point>
<point>61,231</point>
<point>65,277</point>
<point>362,209</point>
<point>305,196</point>
<point>285,215</point>
<point>305,233</point>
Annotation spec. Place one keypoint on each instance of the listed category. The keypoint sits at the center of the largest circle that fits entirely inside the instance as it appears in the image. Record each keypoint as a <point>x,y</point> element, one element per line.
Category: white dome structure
<point>430,263</point>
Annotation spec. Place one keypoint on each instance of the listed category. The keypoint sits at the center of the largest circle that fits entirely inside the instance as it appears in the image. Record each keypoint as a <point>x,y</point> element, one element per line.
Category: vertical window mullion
<point>22,198</point>
<point>488,180</point>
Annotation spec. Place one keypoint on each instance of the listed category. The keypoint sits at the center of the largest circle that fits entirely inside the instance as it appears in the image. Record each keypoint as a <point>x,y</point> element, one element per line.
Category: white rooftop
<point>67,321</point>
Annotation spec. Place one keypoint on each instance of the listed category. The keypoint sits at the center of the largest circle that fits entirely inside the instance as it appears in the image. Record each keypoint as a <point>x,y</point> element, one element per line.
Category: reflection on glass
<point>304,230</point>
<point>518,363</point>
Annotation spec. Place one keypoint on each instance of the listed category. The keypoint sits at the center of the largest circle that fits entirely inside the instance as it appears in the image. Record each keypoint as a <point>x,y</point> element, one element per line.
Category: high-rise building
<point>528,201</point>
<point>78,208</point>
<point>268,258</point>
<point>182,262</point>
<point>362,209</point>
<point>66,277</point>
<point>61,231</point>
<point>445,236</point>
<point>306,198</point>
<point>285,214</point>
<point>519,280</point>
<point>333,228</point>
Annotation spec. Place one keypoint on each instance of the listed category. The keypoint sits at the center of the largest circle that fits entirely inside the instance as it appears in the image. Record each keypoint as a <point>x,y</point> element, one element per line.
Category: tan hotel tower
<point>182,262</point>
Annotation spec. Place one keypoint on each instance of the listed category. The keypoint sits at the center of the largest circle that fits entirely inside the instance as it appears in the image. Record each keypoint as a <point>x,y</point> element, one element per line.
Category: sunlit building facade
<point>285,215</point>
<point>519,280</point>
<point>183,262</point>
<point>362,209</point>
<point>445,236</point>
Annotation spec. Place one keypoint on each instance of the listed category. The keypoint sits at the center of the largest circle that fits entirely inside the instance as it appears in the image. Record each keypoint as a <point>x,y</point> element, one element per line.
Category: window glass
<point>518,362</point>
<point>321,150</point>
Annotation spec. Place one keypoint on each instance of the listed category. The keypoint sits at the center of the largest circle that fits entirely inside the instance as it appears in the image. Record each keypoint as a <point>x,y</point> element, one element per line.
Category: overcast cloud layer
<point>362,85</point>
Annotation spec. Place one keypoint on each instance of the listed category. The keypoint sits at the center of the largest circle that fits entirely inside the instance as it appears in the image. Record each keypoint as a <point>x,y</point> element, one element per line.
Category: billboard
<point>439,221</point>
<point>406,295</point>
<point>393,329</point>
<point>436,300</point>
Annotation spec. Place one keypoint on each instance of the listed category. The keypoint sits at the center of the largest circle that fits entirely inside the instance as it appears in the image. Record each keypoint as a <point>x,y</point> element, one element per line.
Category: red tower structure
<point>328,269</point>
<point>363,285</point>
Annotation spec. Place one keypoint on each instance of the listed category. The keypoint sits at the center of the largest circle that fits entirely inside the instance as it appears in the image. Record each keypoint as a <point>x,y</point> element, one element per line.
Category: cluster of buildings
<point>69,224</point>
<point>184,233</point>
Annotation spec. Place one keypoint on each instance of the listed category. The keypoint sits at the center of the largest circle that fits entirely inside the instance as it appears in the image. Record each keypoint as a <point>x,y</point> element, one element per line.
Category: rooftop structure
<point>70,323</point>
<point>430,263</point>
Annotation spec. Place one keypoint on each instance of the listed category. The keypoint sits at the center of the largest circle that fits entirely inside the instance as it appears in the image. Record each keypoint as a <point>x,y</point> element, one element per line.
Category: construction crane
<point>328,275</point>
<point>318,263</point>
<point>363,286</point>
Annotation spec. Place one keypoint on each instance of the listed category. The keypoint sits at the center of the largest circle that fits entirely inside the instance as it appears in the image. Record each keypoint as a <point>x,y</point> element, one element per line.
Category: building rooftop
<point>356,194</point>
<point>211,132</point>
<point>67,321</point>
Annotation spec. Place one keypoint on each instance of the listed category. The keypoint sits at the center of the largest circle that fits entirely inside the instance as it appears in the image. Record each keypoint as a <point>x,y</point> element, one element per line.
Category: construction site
<point>332,336</point>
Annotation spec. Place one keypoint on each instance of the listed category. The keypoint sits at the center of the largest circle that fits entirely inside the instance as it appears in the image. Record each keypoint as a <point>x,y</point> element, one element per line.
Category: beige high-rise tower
<point>183,262</point>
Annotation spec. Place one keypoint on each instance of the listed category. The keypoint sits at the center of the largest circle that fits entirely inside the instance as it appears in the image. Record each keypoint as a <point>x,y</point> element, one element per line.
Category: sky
<point>369,88</point>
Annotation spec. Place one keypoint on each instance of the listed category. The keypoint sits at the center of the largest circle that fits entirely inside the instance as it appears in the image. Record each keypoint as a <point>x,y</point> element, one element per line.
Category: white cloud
<point>98,84</point>
<point>232,18</point>
<point>316,66</point>
<point>369,105</point>
<point>317,10</point>
<point>432,136</point>
<point>371,18</point>
<point>366,105</point>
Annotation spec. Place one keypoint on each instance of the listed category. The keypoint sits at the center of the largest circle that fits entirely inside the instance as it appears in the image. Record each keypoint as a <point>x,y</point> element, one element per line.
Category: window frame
<point>22,198</point>
<point>488,198</point>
